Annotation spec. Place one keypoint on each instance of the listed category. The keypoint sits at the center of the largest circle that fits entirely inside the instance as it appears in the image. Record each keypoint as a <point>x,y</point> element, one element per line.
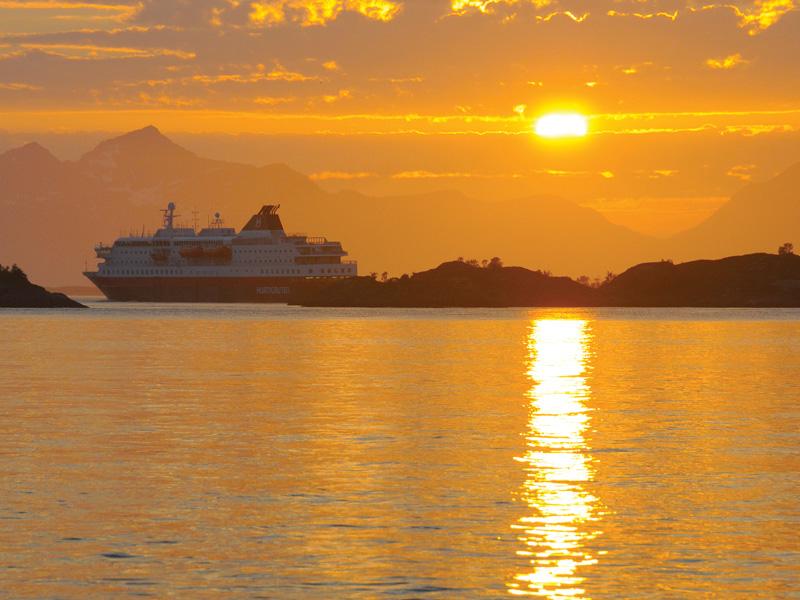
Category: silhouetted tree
<point>496,263</point>
<point>786,249</point>
<point>609,277</point>
<point>385,276</point>
<point>473,263</point>
<point>12,273</point>
<point>484,263</point>
<point>584,280</point>
<point>374,275</point>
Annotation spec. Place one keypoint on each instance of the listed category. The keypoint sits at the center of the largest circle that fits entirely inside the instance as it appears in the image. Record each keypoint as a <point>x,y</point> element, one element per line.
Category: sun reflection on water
<point>564,514</point>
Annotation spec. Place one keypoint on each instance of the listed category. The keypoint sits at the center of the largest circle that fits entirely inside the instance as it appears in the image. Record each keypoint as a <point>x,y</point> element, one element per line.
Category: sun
<point>561,125</point>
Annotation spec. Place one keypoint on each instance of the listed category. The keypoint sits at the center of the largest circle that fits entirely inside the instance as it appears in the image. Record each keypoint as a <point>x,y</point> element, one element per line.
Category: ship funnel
<point>266,219</point>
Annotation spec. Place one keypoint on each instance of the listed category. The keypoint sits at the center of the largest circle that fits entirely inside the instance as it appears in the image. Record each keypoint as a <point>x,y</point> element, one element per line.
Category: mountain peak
<point>151,132</point>
<point>140,158</point>
<point>148,141</point>
<point>32,152</point>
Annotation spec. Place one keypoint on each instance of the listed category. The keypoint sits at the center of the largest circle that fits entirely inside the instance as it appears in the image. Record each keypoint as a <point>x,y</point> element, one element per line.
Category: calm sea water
<point>272,452</point>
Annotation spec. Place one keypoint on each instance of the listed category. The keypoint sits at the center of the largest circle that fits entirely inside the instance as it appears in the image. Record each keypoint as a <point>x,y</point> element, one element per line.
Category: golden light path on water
<point>563,514</point>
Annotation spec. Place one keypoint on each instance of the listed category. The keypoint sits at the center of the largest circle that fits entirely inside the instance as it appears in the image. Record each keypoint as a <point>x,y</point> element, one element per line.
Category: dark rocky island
<point>17,292</point>
<point>754,280</point>
<point>453,284</point>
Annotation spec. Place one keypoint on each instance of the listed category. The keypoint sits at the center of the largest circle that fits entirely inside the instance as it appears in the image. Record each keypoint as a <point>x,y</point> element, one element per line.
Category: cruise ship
<point>261,263</point>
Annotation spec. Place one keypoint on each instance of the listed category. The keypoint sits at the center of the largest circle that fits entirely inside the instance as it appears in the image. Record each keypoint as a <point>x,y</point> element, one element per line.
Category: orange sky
<point>687,100</point>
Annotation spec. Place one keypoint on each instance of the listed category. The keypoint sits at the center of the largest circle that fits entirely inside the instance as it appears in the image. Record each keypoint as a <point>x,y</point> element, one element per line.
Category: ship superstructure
<point>261,263</point>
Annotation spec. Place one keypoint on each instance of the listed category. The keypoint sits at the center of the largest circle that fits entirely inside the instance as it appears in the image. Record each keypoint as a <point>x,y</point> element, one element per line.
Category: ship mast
<point>169,216</point>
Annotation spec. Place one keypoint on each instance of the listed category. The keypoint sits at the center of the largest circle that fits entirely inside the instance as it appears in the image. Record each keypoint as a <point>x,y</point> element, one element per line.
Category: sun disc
<point>559,125</point>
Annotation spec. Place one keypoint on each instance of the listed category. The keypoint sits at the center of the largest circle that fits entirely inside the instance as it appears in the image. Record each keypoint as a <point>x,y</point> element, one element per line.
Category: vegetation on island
<point>12,274</point>
<point>16,291</point>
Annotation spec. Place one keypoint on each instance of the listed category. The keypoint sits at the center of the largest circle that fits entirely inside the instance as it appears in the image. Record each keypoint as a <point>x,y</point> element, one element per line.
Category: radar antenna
<point>217,223</point>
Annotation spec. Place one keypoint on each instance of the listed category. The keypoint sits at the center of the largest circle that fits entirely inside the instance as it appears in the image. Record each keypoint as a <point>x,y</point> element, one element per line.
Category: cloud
<point>16,15</point>
<point>729,62</point>
<point>340,95</point>
<point>401,75</point>
<point>19,87</point>
<point>754,16</point>
<point>398,80</point>
<point>66,5</point>
<point>192,13</point>
<point>165,100</point>
<point>658,173</point>
<point>763,14</point>
<point>422,174</point>
<point>93,52</point>
<point>672,16</point>
<point>274,100</point>
<point>742,172</point>
<point>277,73</point>
<point>510,9</point>
<point>486,7</point>
<point>319,12</point>
<point>635,69</point>
<point>341,175</point>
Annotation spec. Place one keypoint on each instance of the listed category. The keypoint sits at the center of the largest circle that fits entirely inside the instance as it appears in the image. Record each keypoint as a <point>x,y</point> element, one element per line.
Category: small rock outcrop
<point>17,292</point>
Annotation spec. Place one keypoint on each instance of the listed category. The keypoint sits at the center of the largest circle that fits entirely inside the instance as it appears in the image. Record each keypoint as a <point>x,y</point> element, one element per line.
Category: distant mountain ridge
<point>55,211</point>
<point>757,218</point>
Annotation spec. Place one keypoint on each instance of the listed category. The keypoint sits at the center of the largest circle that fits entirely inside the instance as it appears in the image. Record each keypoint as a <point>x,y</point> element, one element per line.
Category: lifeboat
<point>219,252</point>
<point>192,252</point>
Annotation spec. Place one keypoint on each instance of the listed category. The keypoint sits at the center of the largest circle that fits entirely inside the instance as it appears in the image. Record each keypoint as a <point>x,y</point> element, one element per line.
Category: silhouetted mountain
<point>56,212</point>
<point>752,280</point>
<point>28,171</point>
<point>758,218</point>
<point>17,292</point>
<point>454,284</point>
<point>140,159</point>
<point>32,154</point>
<point>119,186</point>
